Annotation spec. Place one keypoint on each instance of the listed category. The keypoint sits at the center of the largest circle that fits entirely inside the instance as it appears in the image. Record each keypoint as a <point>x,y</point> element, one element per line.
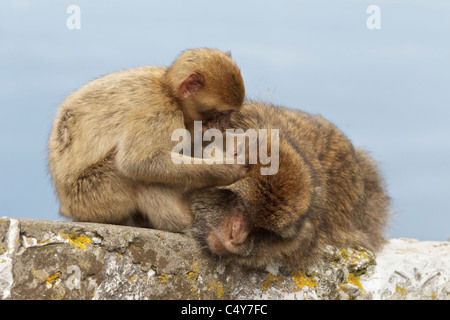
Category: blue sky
<point>387,89</point>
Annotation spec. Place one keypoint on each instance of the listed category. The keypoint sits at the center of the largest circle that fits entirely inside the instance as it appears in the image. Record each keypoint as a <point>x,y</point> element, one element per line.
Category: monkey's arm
<point>157,167</point>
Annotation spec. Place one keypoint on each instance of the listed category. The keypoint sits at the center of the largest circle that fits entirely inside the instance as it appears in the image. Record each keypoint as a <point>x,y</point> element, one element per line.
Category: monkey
<point>325,192</point>
<point>110,145</point>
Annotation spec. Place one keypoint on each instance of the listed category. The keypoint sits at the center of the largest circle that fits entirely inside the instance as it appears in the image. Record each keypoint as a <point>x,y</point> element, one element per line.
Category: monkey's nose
<point>215,245</point>
<point>239,232</point>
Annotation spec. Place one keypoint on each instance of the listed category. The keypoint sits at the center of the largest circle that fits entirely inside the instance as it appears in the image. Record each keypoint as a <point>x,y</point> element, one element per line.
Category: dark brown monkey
<point>325,192</point>
<point>110,148</point>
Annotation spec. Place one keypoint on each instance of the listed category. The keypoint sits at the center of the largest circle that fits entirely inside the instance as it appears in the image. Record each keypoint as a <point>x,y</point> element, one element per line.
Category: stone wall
<point>66,260</point>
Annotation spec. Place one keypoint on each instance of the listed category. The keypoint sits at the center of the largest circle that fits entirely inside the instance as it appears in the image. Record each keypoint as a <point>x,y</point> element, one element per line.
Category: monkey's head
<point>258,219</point>
<point>208,87</point>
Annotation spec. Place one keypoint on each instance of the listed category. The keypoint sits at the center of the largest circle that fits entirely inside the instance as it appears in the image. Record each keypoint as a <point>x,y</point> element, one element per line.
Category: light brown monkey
<point>325,192</point>
<point>110,147</point>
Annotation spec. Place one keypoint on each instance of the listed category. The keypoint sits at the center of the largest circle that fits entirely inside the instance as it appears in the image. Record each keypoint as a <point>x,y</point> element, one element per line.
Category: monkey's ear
<point>191,84</point>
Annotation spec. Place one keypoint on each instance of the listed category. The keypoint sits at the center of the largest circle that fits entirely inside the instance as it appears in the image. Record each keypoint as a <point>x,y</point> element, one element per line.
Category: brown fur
<point>110,147</point>
<point>325,192</point>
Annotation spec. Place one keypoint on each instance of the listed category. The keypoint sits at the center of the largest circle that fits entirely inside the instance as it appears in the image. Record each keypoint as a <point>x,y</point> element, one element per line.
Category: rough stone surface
<point>66,260</point>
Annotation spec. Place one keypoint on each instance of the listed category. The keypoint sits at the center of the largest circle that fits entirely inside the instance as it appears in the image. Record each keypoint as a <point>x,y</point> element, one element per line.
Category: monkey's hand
<point>245,152</point>
<point>219,175</point>
<point>226,172</point>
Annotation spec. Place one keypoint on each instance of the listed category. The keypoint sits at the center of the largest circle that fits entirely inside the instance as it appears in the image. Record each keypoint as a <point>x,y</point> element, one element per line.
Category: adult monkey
<point>110,146</point>
<point>325,192</point>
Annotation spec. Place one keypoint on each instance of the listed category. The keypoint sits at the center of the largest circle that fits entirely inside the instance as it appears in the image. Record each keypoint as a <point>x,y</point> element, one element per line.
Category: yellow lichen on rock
<point>301,279</point>
<point>355,254</point>
<point>193,279</point>
<point>78,242</point>
<point>163,278</point>
<point>219,290</point>
<point>400,290</point>
<point>53,278</point>
<point>268,282</point>
<point>355,280</point>
<point>215,286</point>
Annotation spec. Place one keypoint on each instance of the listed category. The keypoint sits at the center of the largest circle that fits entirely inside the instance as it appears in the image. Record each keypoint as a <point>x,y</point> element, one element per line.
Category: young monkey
<point>110,146</point>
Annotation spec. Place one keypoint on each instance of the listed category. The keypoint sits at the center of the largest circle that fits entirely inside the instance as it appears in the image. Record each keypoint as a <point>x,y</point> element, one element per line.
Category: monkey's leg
<point>165,207</point>
<point>100,195</point>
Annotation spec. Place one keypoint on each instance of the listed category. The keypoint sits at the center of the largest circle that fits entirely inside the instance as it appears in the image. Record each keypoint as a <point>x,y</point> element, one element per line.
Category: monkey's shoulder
<point>122,83</point>
<point>120,93</point>
<point>132,74</point>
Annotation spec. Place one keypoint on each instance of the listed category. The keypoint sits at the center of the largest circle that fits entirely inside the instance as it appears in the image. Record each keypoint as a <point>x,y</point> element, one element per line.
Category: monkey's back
<point>91,121</point>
